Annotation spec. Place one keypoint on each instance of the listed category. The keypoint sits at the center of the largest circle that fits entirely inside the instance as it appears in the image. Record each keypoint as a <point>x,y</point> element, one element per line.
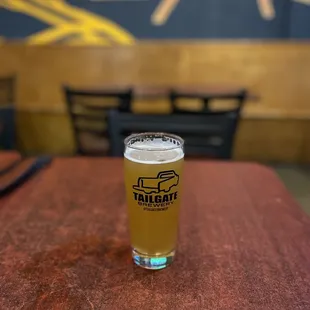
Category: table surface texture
<point>244,243</point>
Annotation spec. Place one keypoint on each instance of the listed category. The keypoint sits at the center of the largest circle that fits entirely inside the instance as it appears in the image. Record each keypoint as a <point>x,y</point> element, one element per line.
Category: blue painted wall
<point>190,19</point>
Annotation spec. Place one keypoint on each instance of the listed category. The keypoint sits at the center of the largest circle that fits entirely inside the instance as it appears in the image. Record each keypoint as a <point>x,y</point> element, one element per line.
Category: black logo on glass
<point>164,181</point>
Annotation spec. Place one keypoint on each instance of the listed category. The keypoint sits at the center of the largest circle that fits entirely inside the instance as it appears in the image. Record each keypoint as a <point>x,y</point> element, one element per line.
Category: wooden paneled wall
<point>279,73</point>
<point>265,140</point>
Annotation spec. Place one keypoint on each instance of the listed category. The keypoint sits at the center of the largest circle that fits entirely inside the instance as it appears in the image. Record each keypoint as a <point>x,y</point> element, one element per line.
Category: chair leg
<point>206,104</point>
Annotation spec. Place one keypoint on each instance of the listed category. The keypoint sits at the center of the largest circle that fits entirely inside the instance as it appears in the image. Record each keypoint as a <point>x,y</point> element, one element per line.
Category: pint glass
<point>153,175</point>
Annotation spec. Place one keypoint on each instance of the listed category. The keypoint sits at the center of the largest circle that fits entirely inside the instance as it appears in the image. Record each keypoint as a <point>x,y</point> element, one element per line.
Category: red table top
<point>244,242</point>
<point>8,158</point>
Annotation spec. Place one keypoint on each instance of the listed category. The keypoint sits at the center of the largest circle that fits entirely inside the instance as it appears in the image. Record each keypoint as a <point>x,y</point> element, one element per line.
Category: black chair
<point>88,113</point>
<point>7,113</point>
<point>208,135</point>
<point>7,128</point>
<point>7,90</point>
<point>239,97</point>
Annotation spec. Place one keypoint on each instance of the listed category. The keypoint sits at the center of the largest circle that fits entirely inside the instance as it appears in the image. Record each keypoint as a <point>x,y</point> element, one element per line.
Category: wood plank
<point>278,72</point>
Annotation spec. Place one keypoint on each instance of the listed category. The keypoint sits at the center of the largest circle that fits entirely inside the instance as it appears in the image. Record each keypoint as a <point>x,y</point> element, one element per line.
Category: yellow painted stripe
<point>29,9</point>
<point>57,13</point>
<point>163,11</point>
<point>50,35</point>
<point>95,22</point>
<point>266,9</point>
<point>306,2</point>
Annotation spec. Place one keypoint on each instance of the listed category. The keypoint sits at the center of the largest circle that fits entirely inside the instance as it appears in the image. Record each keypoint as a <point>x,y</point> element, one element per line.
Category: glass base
<point>152,262</point>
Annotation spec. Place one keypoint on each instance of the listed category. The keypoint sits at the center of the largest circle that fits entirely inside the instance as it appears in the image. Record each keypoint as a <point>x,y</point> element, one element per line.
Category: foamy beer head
<point>154,148</point>
<point>153,175</point>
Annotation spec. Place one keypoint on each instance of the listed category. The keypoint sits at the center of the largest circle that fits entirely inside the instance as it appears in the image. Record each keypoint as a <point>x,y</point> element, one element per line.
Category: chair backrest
<point>7,90</point>
<point>7,128</point>
<point>209,134</point>
<point>88,113</point>
<point>207,96</point>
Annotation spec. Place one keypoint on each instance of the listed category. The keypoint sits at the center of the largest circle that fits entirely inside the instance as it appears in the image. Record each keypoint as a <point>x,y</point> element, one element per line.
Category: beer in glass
<point>153,175</point>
